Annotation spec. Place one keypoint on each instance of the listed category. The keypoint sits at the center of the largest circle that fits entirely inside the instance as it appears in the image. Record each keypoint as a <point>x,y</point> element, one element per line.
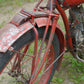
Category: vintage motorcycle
<point>32,44</point>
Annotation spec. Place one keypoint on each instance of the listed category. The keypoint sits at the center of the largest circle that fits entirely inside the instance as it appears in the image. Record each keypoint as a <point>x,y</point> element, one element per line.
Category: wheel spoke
<point>8,68</point>
<point>50,65</point>
<point>25,51</point>
<point>25,61</point>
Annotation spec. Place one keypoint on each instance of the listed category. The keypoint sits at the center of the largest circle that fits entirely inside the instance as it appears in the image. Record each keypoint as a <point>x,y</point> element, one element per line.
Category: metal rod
<point>35,49</point>
<point>48,47</point>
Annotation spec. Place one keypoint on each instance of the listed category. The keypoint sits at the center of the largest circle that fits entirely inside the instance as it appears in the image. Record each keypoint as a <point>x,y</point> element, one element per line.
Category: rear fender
<point>41,22</point>
<point>10,33</point>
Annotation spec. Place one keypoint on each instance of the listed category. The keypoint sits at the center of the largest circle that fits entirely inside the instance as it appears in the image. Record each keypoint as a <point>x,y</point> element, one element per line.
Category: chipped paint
<point>10,33</point>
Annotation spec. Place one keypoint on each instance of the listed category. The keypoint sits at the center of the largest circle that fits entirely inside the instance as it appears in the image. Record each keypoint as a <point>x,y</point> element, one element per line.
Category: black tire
<point>28,38</point>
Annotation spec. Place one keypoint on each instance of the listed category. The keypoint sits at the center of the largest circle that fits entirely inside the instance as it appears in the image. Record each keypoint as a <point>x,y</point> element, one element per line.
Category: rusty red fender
<point>10,33</point>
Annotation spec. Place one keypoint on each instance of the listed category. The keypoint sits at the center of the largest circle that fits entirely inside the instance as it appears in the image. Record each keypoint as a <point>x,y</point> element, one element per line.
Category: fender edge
<point>10,33</point>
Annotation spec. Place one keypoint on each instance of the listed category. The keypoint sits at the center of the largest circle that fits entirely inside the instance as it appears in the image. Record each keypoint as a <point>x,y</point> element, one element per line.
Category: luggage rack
<point>34,14</point>
<point>24,15</point>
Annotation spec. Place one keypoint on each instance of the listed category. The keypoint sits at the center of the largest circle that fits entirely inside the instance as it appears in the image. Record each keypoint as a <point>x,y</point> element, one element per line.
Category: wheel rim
<point>26,62</point>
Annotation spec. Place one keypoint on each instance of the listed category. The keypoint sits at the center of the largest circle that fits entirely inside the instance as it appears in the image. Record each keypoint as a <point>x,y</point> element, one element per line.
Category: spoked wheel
<point>21,62</point>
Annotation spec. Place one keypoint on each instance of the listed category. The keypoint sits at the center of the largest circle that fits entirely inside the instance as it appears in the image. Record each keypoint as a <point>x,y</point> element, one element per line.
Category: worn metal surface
<point>42,22</point>
<point>10,33</point>
<point>18,19</point>
<point>66,24</point>
<point>70,3</point>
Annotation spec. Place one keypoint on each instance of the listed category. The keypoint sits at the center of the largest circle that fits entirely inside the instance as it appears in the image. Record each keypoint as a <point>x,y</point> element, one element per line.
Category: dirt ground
<point>6,14</point>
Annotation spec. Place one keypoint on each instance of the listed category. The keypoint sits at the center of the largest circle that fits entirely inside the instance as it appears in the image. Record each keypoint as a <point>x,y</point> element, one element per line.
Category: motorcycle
<point>32,44</point>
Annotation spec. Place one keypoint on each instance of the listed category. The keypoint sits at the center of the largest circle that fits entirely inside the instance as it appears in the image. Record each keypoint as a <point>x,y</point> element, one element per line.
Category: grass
<point>71,71</point>
<point>2,24</point>
<point>57,80</point>
<point>76,70</point>
<point>11,2</point>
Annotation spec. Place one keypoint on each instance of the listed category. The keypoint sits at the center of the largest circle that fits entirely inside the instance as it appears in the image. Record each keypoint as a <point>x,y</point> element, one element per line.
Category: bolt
<point>11,49</point>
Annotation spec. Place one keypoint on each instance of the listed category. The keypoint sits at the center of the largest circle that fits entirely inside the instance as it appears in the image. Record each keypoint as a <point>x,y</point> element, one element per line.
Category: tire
<point>27,38</point>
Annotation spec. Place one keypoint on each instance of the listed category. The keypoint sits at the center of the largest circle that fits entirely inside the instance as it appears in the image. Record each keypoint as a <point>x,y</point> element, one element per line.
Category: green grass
<point>2,24</point>
<point>71,69</point>
<point>57,80</point>
<point>76,71</point>
<point>11,2</point>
